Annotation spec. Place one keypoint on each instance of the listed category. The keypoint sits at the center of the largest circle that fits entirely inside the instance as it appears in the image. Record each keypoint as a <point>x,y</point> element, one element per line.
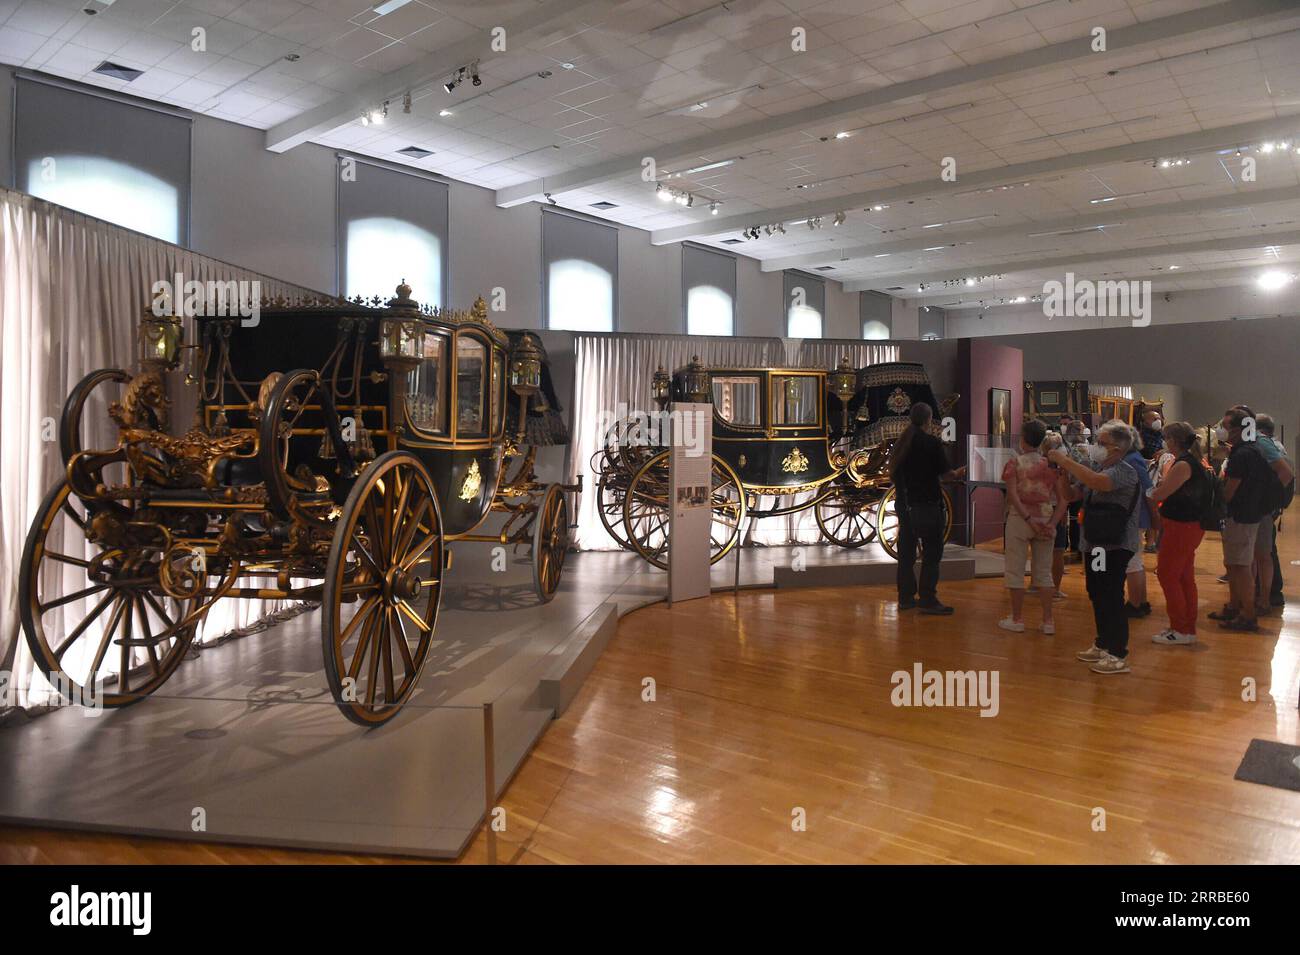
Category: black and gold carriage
<point>337,448</point>
<point>784,440</point>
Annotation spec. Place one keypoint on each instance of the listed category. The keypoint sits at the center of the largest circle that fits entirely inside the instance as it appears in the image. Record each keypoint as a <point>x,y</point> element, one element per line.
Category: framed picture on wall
<point>999,411</point>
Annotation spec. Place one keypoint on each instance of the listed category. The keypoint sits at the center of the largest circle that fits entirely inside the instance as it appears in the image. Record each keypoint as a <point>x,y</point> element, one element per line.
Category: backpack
<point>1215,510</point>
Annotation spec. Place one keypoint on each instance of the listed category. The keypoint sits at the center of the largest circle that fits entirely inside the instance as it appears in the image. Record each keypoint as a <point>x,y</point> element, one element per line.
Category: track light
<point>406,103</point>
<point>664,195</point>
<point>713,208</point>
<point>839,218</point>
<point>474,74</point>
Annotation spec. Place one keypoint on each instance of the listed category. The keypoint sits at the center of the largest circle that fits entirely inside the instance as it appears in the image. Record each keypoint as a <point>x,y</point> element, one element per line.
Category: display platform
<point>245,745</point>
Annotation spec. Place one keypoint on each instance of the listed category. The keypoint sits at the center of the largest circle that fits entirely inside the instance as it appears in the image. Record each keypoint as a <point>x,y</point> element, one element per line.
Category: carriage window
<point>424,391</point>
<point>794,400</point>
<point>498,401</point>
<point>736,400</point>
<point>471,371</point>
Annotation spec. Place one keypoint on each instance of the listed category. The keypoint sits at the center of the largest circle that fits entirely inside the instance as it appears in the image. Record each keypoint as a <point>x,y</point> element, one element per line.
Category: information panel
<point>690,482</point>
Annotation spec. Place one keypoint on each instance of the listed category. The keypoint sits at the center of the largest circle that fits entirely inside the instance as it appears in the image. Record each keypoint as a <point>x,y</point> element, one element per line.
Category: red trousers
<point>1176,570</point>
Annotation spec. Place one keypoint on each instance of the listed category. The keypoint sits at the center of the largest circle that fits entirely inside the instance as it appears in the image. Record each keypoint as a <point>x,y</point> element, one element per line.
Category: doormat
<point>1271,764</point>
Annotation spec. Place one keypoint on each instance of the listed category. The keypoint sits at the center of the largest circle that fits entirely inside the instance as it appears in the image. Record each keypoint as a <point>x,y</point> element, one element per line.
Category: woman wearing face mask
<point>1110,539</point>
<point>1183,494</point>
<point>1034,508</point>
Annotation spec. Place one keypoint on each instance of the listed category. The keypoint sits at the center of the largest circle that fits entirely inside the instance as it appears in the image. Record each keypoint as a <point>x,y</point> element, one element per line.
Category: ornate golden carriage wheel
<point>87,395</point>
<point>887,521</point>
<point>550,542</point>
<point>97,621</point>
<point>646,510</point>
<point>847,515</point>
<point>383,585</point>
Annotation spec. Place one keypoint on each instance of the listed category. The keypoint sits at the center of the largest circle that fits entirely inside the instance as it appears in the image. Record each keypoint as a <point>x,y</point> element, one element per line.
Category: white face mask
<point>1096,453</point>
<point>1157,425</point>
<point>1220,433</point>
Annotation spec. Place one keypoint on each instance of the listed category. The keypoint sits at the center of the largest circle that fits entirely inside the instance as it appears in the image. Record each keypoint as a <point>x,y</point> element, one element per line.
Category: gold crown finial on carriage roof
<point>403,290</point>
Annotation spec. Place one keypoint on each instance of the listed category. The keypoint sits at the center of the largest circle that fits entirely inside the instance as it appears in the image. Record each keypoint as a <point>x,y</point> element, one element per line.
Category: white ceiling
<point>1039,125</point>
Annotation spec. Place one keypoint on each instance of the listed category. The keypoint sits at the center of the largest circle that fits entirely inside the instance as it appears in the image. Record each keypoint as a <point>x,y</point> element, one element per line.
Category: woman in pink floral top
<point>1036,502</point>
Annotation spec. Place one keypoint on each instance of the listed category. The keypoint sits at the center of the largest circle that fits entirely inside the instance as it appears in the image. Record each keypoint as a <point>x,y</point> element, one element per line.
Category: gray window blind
<point>392,226</point>
<point>702,271</point>
<point>127,164</point>
<point>812,292</point>
<point>579,273</point>
<point>875,309</point>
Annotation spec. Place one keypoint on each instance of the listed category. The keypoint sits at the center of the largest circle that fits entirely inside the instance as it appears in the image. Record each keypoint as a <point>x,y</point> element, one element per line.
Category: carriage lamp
<point>401,332</point>
<point>695,382</point>
<point>843,384</point>
<point>661,387</point>
<point>526,368</point>
<point>159,341</point>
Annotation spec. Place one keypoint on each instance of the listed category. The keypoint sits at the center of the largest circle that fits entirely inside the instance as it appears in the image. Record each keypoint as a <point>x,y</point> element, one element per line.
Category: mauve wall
<point>983,365</point>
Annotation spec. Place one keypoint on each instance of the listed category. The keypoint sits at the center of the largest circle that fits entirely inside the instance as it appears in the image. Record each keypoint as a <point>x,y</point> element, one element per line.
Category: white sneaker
<point>1049,628</point>
<point>1172,638</point>
<point>1091,655</point>
<point>1110,664</point>
<point>1015,626</point>
<point>1060,595</point>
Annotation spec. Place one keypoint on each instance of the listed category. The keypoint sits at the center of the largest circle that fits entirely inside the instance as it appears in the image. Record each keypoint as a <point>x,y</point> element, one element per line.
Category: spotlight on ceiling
<point>475,78</point>
<point>406,102</point>
<point>713,208</point>
<point>839,218</point>
<point>970,282</point>
<point>663,194</point>
<point>445,112</point>
<point>842,135</point>
<point>1273,280</point>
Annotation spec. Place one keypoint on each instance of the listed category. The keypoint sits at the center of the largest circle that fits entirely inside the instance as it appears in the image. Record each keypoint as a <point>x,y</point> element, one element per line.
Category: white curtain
<point>1111,391</point>
<point>71,291</point>
<point>612,374</point>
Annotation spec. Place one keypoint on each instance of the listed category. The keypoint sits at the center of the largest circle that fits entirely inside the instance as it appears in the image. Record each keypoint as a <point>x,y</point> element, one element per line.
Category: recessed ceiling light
<point>445,112</point>
<point>842,134</point>
<point>117,71</point>
<point>604,205</point>
<point>1272,281</point>
<point>416,152</point>
<point>566,66</point>
<point>731,241</point>
<point>387,7</point>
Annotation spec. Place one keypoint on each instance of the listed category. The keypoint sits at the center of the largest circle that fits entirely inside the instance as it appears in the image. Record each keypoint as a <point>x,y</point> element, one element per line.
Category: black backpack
<point>1215,510</point>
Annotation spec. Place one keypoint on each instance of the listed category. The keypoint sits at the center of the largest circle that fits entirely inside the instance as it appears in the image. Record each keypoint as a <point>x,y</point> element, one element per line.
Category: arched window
<point>579,296</point>
<point>382,250</point>
<point>108,190</point>
<point>805,304</point>
<point>709,311</point>
<point>873,330</point>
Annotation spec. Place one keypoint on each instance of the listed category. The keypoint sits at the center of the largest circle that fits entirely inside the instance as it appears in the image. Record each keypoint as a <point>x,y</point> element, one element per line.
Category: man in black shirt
<point>1246,478</point>
<point>918,463</point>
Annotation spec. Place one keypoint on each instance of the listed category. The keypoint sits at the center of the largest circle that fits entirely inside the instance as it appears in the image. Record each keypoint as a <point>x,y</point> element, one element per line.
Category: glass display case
<point>987,455</point>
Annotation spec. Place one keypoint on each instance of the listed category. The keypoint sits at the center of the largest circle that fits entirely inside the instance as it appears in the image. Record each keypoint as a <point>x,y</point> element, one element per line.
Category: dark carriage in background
<point>784,440</point>
<point>336,448</point>
<point>1049,400</point>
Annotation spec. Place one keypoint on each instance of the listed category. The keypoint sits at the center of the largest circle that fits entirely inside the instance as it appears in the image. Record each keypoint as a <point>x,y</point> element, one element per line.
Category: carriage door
<point>426,406</point>
<point>799,454</point>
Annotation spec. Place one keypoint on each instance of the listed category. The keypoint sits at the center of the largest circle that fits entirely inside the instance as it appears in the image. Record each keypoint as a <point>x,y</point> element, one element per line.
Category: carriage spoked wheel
<point>383,585</point>
<point>887,521</point>
<point>647,506</point>
<point>86,408</point>
<point>847,515</point>
<point>611,491</point>
<point>97,621</point>
<point>550,542</point>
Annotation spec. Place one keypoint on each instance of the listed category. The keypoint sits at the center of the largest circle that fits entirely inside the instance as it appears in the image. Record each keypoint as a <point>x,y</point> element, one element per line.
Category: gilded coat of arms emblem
<point>473,481</point>
<point>795,462</point>
<point>899,401</point>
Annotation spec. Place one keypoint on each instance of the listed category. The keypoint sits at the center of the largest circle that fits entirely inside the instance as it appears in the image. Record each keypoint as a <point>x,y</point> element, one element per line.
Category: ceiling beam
<point>547,18</point>
<point>1123,40</point>
<point>1160,282</point>
<point>935,237</point>
<point>1073,261</point>
<point>1183,144</point>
